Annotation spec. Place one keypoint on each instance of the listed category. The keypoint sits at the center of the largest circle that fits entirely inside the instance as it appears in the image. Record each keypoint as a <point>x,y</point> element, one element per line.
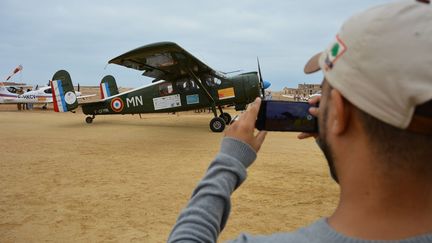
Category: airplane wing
<point>162,61</point>
<point>24,101</point>
<point>85,96</point>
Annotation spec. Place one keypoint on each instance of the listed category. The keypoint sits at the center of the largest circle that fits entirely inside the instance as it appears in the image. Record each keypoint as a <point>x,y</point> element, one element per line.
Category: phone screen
<point>277,115</point>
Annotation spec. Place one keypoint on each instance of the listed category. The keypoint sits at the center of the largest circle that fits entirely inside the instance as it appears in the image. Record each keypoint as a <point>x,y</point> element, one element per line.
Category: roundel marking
<point>70,98</point>
<point>117,105</point>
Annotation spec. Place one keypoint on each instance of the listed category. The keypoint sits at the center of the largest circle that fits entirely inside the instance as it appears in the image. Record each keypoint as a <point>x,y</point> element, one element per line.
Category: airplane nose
<point>267,84</point>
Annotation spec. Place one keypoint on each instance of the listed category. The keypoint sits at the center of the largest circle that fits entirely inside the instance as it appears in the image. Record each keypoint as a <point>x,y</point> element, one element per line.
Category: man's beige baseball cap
<point>381,61</point>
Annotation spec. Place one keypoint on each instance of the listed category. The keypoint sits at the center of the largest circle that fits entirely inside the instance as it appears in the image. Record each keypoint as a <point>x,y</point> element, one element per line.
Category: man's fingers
<point>315,100</point>
<point>304,135</point>
<point>252,112</point>
<point>313,111</point>
<point>259,140</point>
<point>261,136</point>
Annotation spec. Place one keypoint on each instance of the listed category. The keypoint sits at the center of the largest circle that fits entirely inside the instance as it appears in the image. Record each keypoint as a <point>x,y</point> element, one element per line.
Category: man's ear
<point>340,114</point>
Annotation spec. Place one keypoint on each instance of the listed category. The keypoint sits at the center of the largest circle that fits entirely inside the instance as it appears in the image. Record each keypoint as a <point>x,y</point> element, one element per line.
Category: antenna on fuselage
<point>236,71</point>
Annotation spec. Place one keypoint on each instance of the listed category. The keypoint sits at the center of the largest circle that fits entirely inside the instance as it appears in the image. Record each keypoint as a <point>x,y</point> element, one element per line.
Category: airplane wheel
<point>89,119</point>
<point>217,124</point>
<point>226,117</point>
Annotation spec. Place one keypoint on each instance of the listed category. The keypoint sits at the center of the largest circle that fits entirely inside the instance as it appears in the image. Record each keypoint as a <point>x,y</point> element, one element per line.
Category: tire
<point>226,116</point>
<point>89,119</point>
<point>217,124</point>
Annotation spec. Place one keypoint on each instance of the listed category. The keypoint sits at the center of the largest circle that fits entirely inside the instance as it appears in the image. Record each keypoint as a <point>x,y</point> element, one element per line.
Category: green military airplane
<point>181,82</point>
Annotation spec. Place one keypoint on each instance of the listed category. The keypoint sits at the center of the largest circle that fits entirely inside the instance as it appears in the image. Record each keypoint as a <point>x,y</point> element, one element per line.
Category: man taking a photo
<point>375,130</point>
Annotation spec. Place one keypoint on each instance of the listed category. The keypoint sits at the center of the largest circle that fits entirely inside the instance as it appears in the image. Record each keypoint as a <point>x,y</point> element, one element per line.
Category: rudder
<point>108,87</point>
<point>64,97</point>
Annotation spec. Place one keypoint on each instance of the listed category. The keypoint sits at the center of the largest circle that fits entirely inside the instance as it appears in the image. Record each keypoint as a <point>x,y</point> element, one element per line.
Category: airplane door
<point>190,92</point>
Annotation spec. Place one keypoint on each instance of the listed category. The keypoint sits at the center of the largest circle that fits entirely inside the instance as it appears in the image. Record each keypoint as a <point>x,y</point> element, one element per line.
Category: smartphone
<point>286,116</point>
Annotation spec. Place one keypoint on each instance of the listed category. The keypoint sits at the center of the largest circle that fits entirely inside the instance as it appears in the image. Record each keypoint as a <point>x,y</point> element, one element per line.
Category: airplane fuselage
<point>180,95</point>
<point>10,95</point>
<point>36,96</point>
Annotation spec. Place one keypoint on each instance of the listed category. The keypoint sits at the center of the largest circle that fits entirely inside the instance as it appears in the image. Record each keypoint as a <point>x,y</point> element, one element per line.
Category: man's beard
<point>325,146</point>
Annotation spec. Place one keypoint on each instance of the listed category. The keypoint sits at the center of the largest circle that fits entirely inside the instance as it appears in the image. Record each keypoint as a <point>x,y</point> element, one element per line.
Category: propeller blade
<point>261,80</point>
<point>78,87</point>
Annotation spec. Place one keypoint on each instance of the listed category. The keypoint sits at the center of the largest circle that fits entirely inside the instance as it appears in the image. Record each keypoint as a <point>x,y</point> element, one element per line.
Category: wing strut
<point>198,81</point>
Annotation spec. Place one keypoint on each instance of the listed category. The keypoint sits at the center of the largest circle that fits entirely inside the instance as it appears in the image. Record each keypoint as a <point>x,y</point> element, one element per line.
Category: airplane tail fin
<point>64,97</point>
<point>108,87</point>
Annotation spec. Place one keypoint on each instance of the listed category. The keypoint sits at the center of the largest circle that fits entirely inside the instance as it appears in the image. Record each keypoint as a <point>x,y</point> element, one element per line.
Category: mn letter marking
<point>134,101</point>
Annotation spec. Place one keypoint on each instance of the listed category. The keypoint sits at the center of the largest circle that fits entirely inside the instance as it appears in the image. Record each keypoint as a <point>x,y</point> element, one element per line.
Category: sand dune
<point>125,179</point>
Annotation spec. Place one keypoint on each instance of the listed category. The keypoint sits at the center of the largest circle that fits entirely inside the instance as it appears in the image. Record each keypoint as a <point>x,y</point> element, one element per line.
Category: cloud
<point>81,36</point>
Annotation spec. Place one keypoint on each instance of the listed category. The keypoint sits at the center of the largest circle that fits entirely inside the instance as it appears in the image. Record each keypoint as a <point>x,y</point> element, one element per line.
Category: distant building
<point>302,92</point>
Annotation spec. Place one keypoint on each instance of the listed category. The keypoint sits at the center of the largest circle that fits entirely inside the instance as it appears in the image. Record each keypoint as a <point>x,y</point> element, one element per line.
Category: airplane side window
<point>48,91</point>
<point>166,89</point>
<point>217,81</point>
<point>12,89</point>
<point>190,85</point>
<point>213,82</point>
<point>187,85</point>
<point>181,84</point>
<point>194,85</point>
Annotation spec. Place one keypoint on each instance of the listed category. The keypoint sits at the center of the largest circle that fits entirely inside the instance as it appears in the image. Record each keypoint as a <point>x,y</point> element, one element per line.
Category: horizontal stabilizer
<point>64,97</point>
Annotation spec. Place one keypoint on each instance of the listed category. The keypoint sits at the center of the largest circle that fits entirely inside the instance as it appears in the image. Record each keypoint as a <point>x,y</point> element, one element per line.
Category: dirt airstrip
<point>125,179</point>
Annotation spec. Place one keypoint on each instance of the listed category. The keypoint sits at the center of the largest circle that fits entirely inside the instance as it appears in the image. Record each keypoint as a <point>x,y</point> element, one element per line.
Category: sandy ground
<point>125,179</point>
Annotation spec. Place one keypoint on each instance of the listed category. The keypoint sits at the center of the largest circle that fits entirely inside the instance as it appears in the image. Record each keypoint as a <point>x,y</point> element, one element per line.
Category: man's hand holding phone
<point>244,128</point>
<point>286,116</point>
<point>313,111</point>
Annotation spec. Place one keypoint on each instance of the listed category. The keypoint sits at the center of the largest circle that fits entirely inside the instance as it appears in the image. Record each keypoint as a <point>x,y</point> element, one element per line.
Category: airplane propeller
<point>263,84</point>
<point>78,88</point>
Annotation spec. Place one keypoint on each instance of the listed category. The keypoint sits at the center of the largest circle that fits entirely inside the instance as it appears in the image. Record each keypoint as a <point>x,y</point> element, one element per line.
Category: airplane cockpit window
<point>12,89</point>
<point>166,89</point>
<point>213,81</point>
<point>48,91</point>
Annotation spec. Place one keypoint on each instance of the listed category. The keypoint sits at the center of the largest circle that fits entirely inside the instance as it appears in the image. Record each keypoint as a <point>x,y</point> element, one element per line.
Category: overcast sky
<point>81,36</point>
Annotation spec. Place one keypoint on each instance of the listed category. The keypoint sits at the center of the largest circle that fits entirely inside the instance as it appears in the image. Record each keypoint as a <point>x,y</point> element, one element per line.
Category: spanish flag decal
<point>226,93</point>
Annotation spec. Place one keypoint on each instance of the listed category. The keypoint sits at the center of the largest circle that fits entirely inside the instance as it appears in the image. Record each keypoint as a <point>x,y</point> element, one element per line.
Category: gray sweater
<point>208,209</point>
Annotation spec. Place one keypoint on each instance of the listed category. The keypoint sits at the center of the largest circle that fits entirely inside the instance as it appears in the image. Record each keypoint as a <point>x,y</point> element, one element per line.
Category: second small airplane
<point>42,95</point>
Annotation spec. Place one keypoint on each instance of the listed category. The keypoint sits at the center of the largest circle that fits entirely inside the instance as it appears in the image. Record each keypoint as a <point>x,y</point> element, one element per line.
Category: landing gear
<point>89,119</point>
<point>226,117</point>
<point>217,124</point>
<point>44,107</point>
